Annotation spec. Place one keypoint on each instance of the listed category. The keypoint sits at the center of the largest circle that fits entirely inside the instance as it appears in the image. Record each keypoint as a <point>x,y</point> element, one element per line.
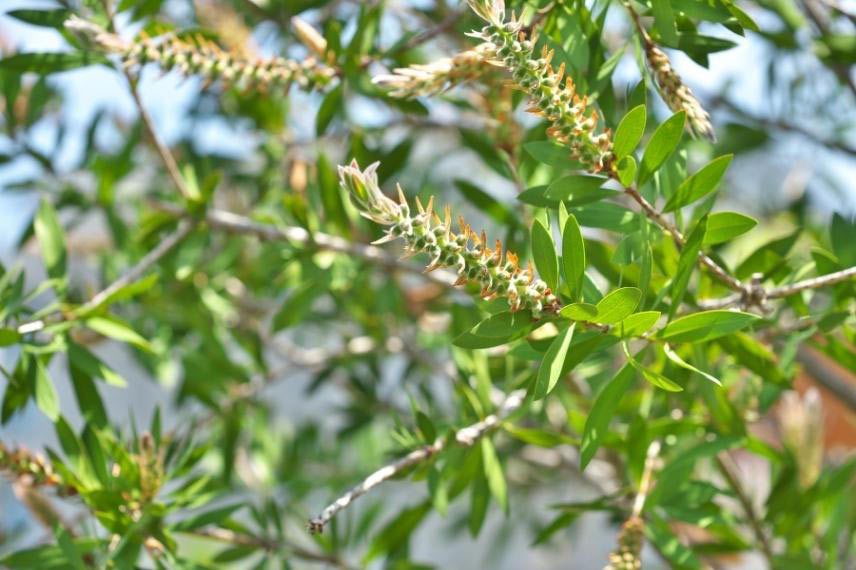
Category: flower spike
<point>427,233</point>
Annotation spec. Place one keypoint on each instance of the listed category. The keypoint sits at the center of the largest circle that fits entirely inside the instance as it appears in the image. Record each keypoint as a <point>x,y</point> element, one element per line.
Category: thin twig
<point>782,125</point>
<point>830,378</point>
<point>269,545</point>
<point>238,224</point>
<point>658,218</point>
<point>813,283</point>
<point>466,436</point>
<point>726,465</point>
<point>166,156</point>
<point>164,153</point>
<point>647,478</point>
<point>785,290</point>
<point>131,275</point>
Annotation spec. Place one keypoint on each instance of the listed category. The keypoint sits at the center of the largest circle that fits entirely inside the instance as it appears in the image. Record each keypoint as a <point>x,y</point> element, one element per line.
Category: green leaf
<point>658,380</point>
<point>80,357</point>
<point>485,202</point>
<point>493,473</point>
<point>664,22</point>
<point>46,397</point>
<point>479,499</point>
<point>45,18</point>
<point>629,132</point>
<point>330,105</point>
<point>95,454</point>
<point>503,325</point>
<point>578,188</point>
<point>673,356</point>
<point>535,196</point>
<point>637,323</point>
<point>544,254</point>
<point>706,325</point>
<point>663,143</point>
<point>617,305</point>
<point>394,535</point>
<point>9,336</point>
<point>686,263</point>
<point>655,378</point>
<point>724,226</point>
<point>215,517</point>
<point>118,330</point>
<point>52,240</point>
<point>539,437</point>
<point>699,184</point>
<point>128,291</point>
<point>69,548</point>
<point>550,153</point>
<point>88,400</point>
<point>553,362</point>
<point>768,257</point>
<point>573,256</point>
<point>607,216</point>
<point>580,312</point>
<point>53,62</point>
<point>627,170</point>
<point>602,410</point>
<point>841,232</point>
<point>296,305</point>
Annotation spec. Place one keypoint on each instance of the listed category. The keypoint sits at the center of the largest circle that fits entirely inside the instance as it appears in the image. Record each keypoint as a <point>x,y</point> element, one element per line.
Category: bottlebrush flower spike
<point>203,57</point>
<point>676,93</point>
<point>556,101</point>
<point>626,557</point>
<point>426,232</point>
<point>22,464</point>
<point>439,76</point>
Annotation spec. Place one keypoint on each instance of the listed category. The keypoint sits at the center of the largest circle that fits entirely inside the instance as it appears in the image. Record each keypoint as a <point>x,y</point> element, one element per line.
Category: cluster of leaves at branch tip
<point>677,94</point>
<point>627,555</point>
<point>440,75</point>
<point>426,232</point>
<point>570,121</point>
<point>200,56</point>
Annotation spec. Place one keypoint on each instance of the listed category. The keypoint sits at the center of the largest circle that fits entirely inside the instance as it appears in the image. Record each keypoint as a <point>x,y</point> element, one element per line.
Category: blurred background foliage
<point>288,360</point>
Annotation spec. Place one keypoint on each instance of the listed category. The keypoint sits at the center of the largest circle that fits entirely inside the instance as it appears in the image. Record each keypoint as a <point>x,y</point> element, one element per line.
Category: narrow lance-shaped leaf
<point>706,325</point>
<point>699,184</point>
<point>573,256</point>
<point>544,254</point>
<point>46,397</point>
<point>724,226</point>
<point>52,240</point>
<point>629,131</point>
<point>618,305</point>
<point>686,263</point>
<point>553,362</point>
<point>493,473</point>
<point>602,411</point>
<point>661,146</point>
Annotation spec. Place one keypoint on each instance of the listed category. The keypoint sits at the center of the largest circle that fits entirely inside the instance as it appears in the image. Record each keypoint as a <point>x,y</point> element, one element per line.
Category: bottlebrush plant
<point>427,284</point>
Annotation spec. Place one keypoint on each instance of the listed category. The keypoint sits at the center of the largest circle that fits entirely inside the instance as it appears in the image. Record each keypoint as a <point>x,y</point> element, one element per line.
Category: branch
<point>813,283</point>
<point>725,467</point>
<point>226,535</point>
<point>830,378</point>
<point>164,153</point>
<point>658,218</point>
<point>235,223</point>
<point>466,436</point>
<point>782,125</point>
<point>131,275</point>
<point>759,295</point>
